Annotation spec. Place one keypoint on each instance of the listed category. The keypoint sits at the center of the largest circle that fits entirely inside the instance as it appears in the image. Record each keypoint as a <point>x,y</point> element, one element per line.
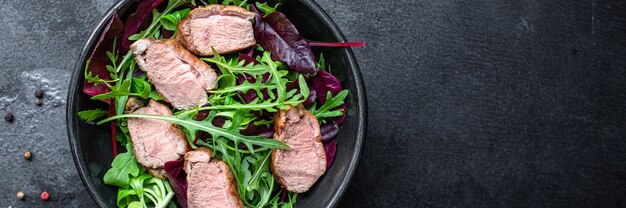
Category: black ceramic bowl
<point>91,144</point>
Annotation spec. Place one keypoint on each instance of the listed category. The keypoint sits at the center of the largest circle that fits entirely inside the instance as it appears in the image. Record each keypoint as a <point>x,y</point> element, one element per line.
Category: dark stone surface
<point>471,103</point>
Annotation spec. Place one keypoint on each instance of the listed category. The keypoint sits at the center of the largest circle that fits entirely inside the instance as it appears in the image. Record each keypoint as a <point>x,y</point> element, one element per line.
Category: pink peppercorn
<point>45,196</point>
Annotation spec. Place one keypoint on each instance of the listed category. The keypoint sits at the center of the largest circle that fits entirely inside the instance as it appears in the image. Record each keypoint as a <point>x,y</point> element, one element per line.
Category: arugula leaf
<point>233,66</point>
<point>266,9</point>
<point>261,181</point>
<point>255,182</point>
<point>321,64</point>
<point>275,76</point>
<point>116,91</point>
<point>134,37</point>
<point>170,21</point>
<point>275,88</point>
<point>123,165</point>
<point>240,3</point>
<point>141,87</point>
<point>325,111</point>
<point>90,78</point>
<point>258,85</point>
<point>92,115</point>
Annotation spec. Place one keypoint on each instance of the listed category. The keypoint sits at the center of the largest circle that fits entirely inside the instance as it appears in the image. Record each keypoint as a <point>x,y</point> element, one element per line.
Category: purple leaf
<point>217,121</point>
<point>329,131</point>
<point>98,59</point>
<point>178,180</point>
<point>282,196</point>
<point>247,57</point>
<point>311,99</point>
<point>167,34</point>
<point>324,82</point>
<point>330,149</point>
<point>254,130</point>
<point>341,118</point>
<point>278,35</point>
<point>136,20</point>
<point>293,85</point>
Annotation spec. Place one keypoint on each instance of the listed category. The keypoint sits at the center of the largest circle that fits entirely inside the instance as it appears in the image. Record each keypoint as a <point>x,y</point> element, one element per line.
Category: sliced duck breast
<point>178,76</point>
<point>210,184</point>
<point>298,168</point>
<point>224,28</point>
<point>154,141</point>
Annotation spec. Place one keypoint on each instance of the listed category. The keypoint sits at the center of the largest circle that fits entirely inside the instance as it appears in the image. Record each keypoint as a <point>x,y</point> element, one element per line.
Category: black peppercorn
<point>38,93</point>
<point>8,117</point>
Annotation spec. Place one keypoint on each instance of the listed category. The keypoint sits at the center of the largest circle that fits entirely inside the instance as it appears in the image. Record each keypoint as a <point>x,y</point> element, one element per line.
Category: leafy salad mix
<point>236,123</point>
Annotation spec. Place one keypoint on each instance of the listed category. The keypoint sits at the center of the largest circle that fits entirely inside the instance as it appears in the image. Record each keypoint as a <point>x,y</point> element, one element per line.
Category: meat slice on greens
<point>300,167</point>
<point>154,141</point>
<point>224,28</point>
<point>210,182</point>
<point>178,76</point>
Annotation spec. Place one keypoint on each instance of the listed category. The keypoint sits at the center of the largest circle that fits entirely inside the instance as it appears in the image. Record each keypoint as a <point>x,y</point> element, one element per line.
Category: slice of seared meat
<point>225,28</point>
<point>180,77</point>
<point>154,141</point>
<point>299,168</point>
<point>210,182</point>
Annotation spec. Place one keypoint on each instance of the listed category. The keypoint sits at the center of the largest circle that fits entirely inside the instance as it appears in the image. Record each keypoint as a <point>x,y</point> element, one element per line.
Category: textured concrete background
<point>472,103</point>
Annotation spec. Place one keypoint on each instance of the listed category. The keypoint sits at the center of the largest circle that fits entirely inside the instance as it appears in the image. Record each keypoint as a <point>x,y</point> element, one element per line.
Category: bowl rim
<point>354,71</point>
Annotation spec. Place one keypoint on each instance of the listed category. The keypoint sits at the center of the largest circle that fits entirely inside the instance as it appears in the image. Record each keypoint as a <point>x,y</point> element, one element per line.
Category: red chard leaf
<point>136,20</point>
<point>293,85</point>
<point>278,35</point>
<point>340,119</point>
<point>178,180</point>
<point>324,82</point>
<point>247,59</point>
<point>167,34</point>
<point>329,131</point>
<point>330,149</point>
<point>98,59</point>
<point>261,130</point>
<point>312,97</point>
<point>217,121</point>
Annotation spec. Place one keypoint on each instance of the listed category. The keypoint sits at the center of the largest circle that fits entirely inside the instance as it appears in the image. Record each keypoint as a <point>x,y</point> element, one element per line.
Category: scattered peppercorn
<point>38,93</point>
<point>38,102</point>
<point>20,195</point>
<point>27,155</point>
<point>8,117</point>
<point>45,196</point>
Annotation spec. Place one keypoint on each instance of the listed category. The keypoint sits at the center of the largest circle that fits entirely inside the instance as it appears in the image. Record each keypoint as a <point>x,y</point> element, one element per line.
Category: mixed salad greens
<point>237,121</point>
